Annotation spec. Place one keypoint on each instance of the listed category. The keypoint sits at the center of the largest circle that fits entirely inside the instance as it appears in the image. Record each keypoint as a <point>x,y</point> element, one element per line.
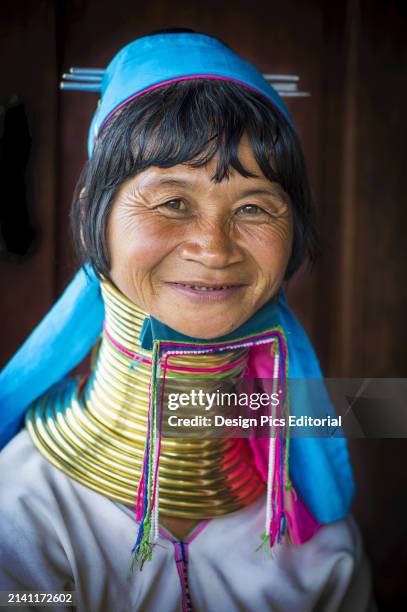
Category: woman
<point>192,211</point>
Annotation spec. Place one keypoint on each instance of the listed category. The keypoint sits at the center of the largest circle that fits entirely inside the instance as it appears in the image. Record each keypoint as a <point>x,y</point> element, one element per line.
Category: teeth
<point>206,288</point>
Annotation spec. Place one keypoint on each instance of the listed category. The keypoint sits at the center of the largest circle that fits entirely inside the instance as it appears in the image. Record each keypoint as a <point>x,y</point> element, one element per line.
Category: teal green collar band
<point>264,319</point>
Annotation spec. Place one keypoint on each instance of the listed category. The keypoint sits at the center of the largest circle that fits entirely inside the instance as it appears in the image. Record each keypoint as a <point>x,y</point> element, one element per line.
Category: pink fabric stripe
<point>197,530</point>
<point>301,523</point>
<point>204,348</point>
<point>132,355</point>
<point>181,561</point>
<point>124,350</point>
<point>164,532</point>
<point>276,497</point>
<point>226,344</point>
<point>156,484</point>
<point>214,369</point>
<point>191,536</point>
<point>142,483</point>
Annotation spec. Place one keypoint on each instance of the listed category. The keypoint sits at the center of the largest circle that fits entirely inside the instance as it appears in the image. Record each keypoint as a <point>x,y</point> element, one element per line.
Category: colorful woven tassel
<point>278,480</point>
<point>147,495</point>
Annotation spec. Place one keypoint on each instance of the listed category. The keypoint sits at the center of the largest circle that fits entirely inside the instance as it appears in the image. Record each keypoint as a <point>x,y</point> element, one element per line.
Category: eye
<point>175,204</point>
<point>251,209</point>
<point>174,208</point>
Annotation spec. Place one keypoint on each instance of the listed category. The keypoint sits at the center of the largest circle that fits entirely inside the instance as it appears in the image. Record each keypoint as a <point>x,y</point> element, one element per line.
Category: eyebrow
<point>167,181</point>
<point>262,191</point>
<point>280,194</point>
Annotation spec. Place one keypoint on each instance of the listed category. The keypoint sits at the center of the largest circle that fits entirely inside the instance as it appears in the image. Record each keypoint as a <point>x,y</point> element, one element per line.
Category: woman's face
<point>202,257</point>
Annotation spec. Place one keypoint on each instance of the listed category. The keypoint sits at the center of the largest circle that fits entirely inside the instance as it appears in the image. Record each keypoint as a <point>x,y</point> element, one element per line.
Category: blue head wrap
<point>319,466</point>
<point>160,59</point>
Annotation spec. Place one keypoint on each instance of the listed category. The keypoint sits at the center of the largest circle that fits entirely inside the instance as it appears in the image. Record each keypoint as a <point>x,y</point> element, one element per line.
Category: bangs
<point>192,121</point>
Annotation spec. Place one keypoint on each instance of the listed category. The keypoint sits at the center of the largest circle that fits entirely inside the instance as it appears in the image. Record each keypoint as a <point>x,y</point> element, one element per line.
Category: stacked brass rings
<point>97,434</point>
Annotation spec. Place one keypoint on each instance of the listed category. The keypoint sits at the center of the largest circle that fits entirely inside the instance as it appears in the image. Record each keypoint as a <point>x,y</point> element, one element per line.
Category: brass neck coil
<point>96,432</point>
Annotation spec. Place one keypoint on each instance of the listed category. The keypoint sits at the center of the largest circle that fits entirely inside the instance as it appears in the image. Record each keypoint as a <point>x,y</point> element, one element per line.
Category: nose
<point>211,245</point>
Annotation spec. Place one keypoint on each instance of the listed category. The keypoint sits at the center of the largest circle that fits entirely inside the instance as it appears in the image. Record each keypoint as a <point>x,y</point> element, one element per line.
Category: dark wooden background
<point>352,56</point>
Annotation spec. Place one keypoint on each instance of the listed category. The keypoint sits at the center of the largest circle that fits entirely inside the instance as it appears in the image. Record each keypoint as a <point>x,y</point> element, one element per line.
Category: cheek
<point>137,243</point>
<point>270,249</point>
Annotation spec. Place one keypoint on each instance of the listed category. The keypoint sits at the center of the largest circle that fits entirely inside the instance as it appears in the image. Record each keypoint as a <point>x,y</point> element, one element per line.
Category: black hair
<point>189,122</point>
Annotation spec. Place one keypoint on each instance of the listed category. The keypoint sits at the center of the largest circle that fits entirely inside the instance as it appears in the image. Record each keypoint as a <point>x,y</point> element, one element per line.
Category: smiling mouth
<point>207,287</point>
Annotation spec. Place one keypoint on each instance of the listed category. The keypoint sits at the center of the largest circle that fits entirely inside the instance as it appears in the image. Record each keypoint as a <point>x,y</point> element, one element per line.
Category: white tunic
<point>56,535</point>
